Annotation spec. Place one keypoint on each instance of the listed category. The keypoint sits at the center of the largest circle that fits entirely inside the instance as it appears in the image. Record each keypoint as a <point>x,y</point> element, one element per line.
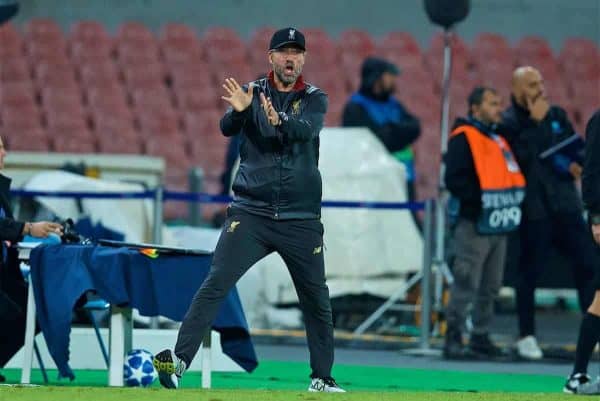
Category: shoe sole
<point>163,363</point>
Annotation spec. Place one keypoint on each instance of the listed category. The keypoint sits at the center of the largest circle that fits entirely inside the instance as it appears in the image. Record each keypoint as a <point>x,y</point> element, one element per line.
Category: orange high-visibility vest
<point>500,178</point>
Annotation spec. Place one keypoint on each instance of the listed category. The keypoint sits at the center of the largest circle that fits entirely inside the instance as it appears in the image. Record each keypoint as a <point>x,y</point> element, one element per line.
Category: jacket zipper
<point>280,162</point>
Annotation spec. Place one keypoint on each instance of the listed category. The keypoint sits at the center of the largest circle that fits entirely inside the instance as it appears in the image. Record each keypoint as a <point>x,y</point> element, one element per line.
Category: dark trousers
<point>244,240</point>
<point>13,300</point>
<point>536,236</point>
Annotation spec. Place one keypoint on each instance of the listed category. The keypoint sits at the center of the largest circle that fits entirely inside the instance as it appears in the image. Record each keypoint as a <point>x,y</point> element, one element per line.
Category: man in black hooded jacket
<point>552,208</point>
<point>277,207</point>
<point>375,107</point>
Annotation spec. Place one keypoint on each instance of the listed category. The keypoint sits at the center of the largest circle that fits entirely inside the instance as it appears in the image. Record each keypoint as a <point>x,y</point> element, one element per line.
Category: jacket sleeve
<point>591,166</point>
<point>233,122</point>
<point>308,125</point>
<point>460,176</point>
<point>10,230</point>
<point>395,136</point>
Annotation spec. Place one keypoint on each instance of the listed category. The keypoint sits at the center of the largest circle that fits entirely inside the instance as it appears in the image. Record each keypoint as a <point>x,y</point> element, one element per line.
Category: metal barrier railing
<point>160,195</point>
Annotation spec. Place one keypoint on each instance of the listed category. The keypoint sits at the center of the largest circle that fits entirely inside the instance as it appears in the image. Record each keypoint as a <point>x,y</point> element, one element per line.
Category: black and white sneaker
<point>169,368</point>
<point>327,385</point>
<point>581,383</point>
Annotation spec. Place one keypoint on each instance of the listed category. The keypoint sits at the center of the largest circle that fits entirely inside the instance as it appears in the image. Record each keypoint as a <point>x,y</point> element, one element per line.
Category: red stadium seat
<point>159,122</point>
<point>151,76</point>
<point>151,99</point>
<point>91,53</point>
<point>400,42</point>
<point>110,97</point>
<point>67,140</point>
<point>99,74</point>
<point>173,33</point>
<point>191,77</point>
<point>55,53</point>
<point>197,100</point>
<point>356,42</point>
<point>17,94</point>
<point>20,118</point>
<point>89,32</point>
<point>43,29</point>
<point>69,100</point>
<point>14,69</point>
<point>109,142</point>
<point>134,32</point>
<point>51,74</point>
<point>533,48</point>
<point>135,54</point>
<point>12,44</point>
<point>183,53</point>
<point>58,120</point>
<point>26,140</point>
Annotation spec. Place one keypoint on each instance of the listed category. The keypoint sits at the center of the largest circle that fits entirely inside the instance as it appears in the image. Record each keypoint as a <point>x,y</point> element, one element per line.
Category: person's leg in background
<point>489,287</point>
<point>535,237</point>
<point>242,243</point>
<point>579,381</point>
<point>300,244</point>
<point>471,252</point>
<point>579,246</point>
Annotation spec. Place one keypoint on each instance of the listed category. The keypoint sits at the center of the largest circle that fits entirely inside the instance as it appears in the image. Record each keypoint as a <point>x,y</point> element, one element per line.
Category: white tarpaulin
<point>366,250</point>
<point>132,217</point>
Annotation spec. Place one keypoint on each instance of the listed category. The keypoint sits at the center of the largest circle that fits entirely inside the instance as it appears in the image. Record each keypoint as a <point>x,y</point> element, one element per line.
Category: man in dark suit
<point>13,290</point>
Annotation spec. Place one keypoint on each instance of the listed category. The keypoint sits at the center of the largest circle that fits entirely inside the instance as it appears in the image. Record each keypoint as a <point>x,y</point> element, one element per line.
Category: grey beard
<point>285,79</point>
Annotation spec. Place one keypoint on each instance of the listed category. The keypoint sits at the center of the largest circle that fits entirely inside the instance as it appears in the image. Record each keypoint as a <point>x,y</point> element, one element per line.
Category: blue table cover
<point>163,286</point>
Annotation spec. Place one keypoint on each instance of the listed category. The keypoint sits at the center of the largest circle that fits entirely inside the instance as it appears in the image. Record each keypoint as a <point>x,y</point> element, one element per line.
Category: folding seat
<point>491,46</point>
<point>209,156</point>
<point>150,99</point>
<point>12,43</point>
<point>356,42</point>
<point>322,44</point>
<point>62,120</point>
<point>159,123</point>
<point>258,43</point>
<point>193,77</point>
<point>460,50</point>
<point>14,69</point>
<point>110,97</point>
<point>72,140</point>
<point>25,139</point>
<point>89,53</point>
<point>182,53</point>
<point>42,28</point>
<point>203,124</point>
<point>51,74</point>
<point>67,100</point>
<point>115,143</point>
<point>151,76</point>
<point>532,48</point>
<point>174,32</point>
<point>198,100</point>
<point>20,118</point>
<point>172,149</point>
<point>137,54</point>
<point>102,73</point>
<point>134,32</point>
<point>49,52</point>
<point>89,31</point>
<point>402,42</point>
<point>220,35</point>
<point>17,94</point>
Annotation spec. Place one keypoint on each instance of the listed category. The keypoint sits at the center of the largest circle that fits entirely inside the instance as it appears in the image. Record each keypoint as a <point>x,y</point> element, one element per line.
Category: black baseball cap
<point>287,36</point>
